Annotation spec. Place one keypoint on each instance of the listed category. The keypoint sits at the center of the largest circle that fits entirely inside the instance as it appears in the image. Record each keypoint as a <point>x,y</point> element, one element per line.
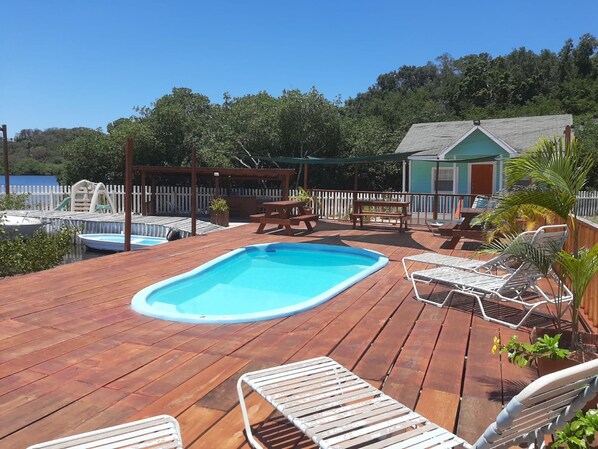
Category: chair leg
<point>414,281</point>
<point>250,437</point>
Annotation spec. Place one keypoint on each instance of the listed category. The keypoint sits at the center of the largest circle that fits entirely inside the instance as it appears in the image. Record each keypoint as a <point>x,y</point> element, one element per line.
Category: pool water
<point>258,282</point>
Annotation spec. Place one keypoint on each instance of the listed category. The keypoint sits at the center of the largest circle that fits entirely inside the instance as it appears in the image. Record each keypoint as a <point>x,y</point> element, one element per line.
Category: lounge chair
<point>556,238</point>
<point>337,409</point>
<point>509,288</point>
<point>158,432</point>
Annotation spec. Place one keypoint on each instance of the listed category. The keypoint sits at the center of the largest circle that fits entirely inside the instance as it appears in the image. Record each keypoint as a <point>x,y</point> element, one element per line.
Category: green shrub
<point>39,252</point>
<point>14,201</point>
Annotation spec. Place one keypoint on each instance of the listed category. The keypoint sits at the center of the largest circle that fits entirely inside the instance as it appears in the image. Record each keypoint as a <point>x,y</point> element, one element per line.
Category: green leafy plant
<point>580,432</point>
<point>524,354</point>
<point>39,252</point>
<point>558,170</point>
<point>303,195</point>
<point>218,205</point>
<point>13,201</point>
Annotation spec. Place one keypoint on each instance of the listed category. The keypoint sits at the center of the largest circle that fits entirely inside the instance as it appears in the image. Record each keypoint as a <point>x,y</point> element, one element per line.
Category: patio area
<point>74,356</point>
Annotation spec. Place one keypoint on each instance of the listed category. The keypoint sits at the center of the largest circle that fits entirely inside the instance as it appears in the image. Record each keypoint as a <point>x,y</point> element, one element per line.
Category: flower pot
<point>589,343</point>
<point>219,218</point>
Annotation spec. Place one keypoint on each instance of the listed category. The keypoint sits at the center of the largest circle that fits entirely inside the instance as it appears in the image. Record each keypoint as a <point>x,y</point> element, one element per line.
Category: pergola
<point>212,173</point>
<point>282,175</point>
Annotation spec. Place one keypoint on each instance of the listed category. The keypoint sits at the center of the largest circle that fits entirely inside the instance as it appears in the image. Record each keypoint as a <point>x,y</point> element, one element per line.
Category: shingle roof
<point>520,133</point>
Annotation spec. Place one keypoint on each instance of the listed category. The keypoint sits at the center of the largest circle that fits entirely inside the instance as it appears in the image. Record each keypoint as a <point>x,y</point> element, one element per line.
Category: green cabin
<point>470,155</point>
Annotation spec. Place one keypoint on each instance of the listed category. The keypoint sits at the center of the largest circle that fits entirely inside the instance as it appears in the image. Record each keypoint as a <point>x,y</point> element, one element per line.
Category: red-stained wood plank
<point>67,326</point>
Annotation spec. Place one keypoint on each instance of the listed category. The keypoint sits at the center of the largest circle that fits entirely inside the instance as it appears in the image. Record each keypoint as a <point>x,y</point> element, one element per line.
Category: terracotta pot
<point>220,218</point>
<point>548,366</point>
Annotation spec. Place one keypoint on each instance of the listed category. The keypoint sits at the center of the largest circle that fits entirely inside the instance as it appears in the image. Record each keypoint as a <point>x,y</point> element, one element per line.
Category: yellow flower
<point>496,346</point>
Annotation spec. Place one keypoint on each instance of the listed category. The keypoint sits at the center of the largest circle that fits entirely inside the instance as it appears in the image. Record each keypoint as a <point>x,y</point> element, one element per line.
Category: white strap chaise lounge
<point>338,410</point>
<point>557,234</point>
<point>158,432</point>
<point>509,289</point>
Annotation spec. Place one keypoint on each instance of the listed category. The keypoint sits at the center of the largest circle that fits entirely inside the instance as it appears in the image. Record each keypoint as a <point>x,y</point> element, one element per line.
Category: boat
<point>16,226</point>
<point>116,242</point>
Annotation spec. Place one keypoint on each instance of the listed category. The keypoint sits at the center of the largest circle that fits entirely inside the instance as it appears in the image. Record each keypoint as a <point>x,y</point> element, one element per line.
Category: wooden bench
<point>402,219</point>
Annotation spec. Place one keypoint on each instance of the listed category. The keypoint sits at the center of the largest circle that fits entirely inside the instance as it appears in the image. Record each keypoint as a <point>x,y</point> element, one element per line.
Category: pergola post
<point>355,182</point>
<point>286,181</point>
<point>128,192</point>
<point>435,213</point>
<point>143,202</point>
<point>5,146</point>
<point>305,174</point>
<point>193,193</point>
<point>154,196</point>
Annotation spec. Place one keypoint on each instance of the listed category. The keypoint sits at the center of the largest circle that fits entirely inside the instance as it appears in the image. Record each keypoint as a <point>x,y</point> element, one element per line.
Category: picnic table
<point>280,213</point>
<point>396,210</point>
<point>464,228</point>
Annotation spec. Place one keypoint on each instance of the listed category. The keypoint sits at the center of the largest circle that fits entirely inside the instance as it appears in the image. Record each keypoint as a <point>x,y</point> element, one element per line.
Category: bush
<point>13,201</point>
<point>39,252</point>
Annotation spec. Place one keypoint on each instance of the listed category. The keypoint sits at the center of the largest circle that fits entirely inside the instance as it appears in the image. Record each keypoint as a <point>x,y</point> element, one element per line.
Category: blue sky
<point>89,62</point>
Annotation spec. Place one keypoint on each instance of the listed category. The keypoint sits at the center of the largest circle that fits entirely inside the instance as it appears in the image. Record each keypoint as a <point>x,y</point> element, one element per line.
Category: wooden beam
<point>128,192</point>
<point>305,174</point>
<point>6,172</point>
<point>193,193</point>
<point>143,202</point>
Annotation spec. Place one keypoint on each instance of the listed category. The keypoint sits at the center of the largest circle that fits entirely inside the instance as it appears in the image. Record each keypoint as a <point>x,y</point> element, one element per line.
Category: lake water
<point>32,180</point>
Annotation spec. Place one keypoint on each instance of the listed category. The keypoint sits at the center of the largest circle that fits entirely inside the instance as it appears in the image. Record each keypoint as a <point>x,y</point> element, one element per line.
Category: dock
<point>100,223</point>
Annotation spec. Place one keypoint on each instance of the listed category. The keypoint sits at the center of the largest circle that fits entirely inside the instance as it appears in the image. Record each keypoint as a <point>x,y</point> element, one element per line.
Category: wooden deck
<point>74,357</point>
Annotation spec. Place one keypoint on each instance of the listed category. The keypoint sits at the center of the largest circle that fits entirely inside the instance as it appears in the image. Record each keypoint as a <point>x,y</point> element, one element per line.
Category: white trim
<point>469,166</point>
<point>492,137</point>
<point>403,174</point>
<point>501,179</point>
<point>410,177</point>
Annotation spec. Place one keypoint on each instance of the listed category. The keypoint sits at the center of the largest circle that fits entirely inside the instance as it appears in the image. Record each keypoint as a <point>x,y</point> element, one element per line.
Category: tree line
<point>240,130</point>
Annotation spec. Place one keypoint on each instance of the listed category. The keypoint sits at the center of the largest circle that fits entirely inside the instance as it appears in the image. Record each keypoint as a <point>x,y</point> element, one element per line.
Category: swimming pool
<point>258,282</point>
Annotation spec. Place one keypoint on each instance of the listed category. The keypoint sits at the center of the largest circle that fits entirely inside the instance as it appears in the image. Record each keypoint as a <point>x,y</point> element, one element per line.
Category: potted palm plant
<point>219,213</point>
<point>557,171</point>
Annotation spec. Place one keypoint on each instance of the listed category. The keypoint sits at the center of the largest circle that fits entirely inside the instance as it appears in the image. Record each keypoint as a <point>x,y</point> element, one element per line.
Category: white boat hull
<point>15,226</point>
<point>116,242</point>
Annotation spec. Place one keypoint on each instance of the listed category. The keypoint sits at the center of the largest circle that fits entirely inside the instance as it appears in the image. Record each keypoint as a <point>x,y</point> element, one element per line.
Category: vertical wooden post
<point>143,202</point>
<point>5,146</point>
<point>216,185</point>
<point>568,134</point>
<point>305,173</point>
<point>285,187</point>
<point>435,214</point>
<point>404,176</point>
<point>154,196</point>
<point>128,192</point>
<point>355,183</point>
<point>193,192</point>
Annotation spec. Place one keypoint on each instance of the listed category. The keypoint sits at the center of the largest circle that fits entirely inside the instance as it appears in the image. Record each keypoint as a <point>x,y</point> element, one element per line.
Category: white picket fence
<point>331,204</point>
<point>169,200</point>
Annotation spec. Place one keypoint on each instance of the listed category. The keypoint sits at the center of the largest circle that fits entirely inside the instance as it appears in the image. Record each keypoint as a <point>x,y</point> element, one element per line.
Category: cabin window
<point>446,179</point>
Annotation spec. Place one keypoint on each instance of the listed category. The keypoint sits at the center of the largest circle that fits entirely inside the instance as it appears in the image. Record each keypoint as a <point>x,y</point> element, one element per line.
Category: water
<point>30,180</point>
<point>259,282</point>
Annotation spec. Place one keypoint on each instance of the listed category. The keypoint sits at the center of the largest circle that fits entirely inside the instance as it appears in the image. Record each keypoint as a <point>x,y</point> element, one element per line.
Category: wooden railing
<point>588,237</point>
<point>338,204</point>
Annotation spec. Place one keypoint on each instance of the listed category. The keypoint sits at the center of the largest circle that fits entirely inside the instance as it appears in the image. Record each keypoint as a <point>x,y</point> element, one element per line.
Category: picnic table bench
<point>280,213</point>
<point>392,210</point>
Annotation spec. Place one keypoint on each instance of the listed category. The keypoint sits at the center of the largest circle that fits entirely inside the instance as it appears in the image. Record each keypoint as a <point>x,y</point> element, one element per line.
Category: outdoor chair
<point>555,236</point>
<point>337,409</point>
<point>159,432</point>
<point>509,288</point>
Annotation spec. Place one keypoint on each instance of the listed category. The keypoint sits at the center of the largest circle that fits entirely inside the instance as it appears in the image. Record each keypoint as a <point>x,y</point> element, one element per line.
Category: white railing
<point>329,204</point>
